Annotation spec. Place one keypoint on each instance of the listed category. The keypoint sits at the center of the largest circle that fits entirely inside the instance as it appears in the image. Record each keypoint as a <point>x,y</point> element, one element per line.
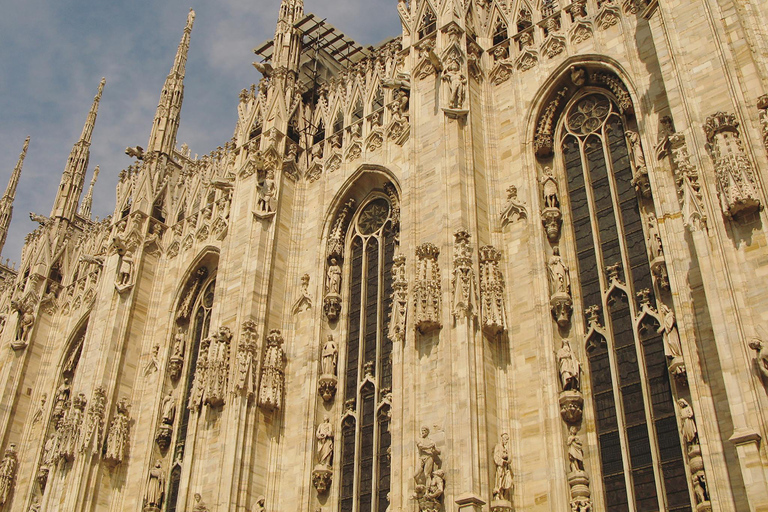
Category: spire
<point>288,38</point>
<point>73,178</point>
<point>166,125</point>
<point>6,202</point>
<point>85,207</point>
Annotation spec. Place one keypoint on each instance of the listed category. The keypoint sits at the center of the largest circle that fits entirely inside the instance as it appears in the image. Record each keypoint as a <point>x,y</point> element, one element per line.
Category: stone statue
<point>428,451</point>
<point>62,397</point>
<point>654,239</point>
<point>671,334</point>
<point>217,369</point>
<point>39,413</point>
<point>26,321</point>
<point>575,450</point>
<point>334,277</point>
<point>762,355</point>
<point>551,199</point>
<point>457,83</point>
<point>69,432</point>
<point>272,374</point>
<point>200,505</point>
<point>689,430</point>
<point>126,269</point>
<point>8,473</point>
<point>700,487</point>
<point>34,506</point>
<point>637,152</point>
<point>169,409</point>
<point>436,485</point>
<point>117,439</point>
<point>155,488</point>
<point>330,357</point>
<point>324,437</point>
<point>267,190</point>
<point>559,275</point>
<point>501,456</point>
<point>570,368</point>
<point>178,343</point>
<point>154,362</point>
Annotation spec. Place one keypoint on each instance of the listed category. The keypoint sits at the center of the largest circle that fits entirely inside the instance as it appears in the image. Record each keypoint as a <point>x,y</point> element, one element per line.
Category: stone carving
<point>688,188</point>
<point>25,323</point>
<point>639,168</point>
<point>736,185</point>
<point>8,473</point>
<point>543,142</point>
<point>176,361</point>
<point>61,401</point>
<point>322,474</point>
<point>267,192</point>
<point>560,289</point>
<point>690,434</point>
<point>426,289</point>
<point>246,375</point>
<point>260,504</point>
<point>167,417</point>
<point>551,215</point>
<point>332,301</point>
<point>272,376</point>
<point>761,348</point>
<point>464,300</point>
<point>39,413</point>
<point>339,231</point>
<point>117,440</point>
<point>575,450</point>
<point>672,346</point>
<point>68,432</point>
<point>688,428</point>
<point>212,371</point>
<point>656,253</point>
<point>125,273</point>
<point>154,362</point>
<point>328,362</point>
<point>578,480</point>
<point>502,488</point>
<point>456,84</point>
<point>514,210</point>
<point>762,108</point>
<point>34,505</point>
<point>304,302</point>
<point>399,315</point>
<point>155,492</point>
<point>94,422</point>
<point>492,291</point>
<point>199,505</point>
<point>430,481</point>
<point>185,309</point>
<point>570,368</point>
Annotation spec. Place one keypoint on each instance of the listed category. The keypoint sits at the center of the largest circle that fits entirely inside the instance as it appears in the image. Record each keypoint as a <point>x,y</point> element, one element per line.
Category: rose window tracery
<point>588,114</point>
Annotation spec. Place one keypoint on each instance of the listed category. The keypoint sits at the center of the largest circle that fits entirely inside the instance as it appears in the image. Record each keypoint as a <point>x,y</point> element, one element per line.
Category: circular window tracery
<point>588,114</point>
<point>373,216</point>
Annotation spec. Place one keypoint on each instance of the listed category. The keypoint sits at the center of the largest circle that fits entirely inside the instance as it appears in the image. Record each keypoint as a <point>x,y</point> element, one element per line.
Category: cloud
<point>54,52</point>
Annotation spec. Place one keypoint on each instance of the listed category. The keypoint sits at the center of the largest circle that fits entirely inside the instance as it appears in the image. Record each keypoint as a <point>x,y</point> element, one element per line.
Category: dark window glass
<point>347,464</point>
<point>354,319</point>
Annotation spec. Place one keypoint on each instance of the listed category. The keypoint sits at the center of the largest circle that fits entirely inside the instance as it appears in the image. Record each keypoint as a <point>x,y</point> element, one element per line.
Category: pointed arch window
<point>195,322</point>
<point>500,33</point>
<point>365,443</point>
<point>640,451</point>
<point>428,23</point>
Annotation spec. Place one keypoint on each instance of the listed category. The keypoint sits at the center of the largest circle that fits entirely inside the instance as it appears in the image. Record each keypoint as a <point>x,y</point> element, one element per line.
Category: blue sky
<point>54,52</point>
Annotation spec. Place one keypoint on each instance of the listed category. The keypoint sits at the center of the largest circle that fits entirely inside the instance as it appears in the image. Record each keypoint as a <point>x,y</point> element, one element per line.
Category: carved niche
<point>426,289</point>
<point>332,298</point>
<point>492,302</point>
<point>463,282</point>
<point>272,373</point>
<point>736,185</point>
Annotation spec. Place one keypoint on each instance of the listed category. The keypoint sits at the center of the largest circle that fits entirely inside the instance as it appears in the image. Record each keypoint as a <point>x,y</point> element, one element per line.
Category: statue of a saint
<point>200,505</point>
<point>324,437</point>
<point>671,334</point>
<point>334,277</point>
<point>570,368</point>
<point>689,430</point>
<point>126,268</point>
<point>169,409</point>
<point>654,239</point>
<point>155,486</point>
<point>575,450</point>
<point>457,83</point>
<point>501,456</point>
<point>427,453</point>
<point>267,190</point>
<point>762,355</point>
<point>559,276</point>
<point>7,472</point>
<point>549,185</point>
<point>330,356</point>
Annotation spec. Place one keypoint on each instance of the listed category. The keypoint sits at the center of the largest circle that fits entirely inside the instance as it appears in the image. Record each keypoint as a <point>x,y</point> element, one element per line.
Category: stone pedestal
<point>326,387</point>
<point>501,506</point>
<point>562,307</point>
<point>552,218</point>
<point>332,306</point>
<point>322,477</point>
<point>571,406</point>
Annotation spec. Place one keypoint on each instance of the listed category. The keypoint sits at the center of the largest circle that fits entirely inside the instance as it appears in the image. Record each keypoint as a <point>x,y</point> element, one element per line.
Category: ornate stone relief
<point>551,215</point>
<point>213,370</point>
<point>167,417</point>
<point>426,289</point>
<point>429,479</point>
<point>463,282</point>
<point>688,187</point>
<point>690,435</point>
<point>93,429</point>
<point>199,505</point>
<point>656,253</point>
<point>68,430</point>
<point>571,399</point>
<point>304,302</point>
<point>578,479</point>
<point>245,378</point>
<point>514,210</point>
<point>8,473</point>
<point>266,189</point>
<point>493,306</point>
<point>399,315</point>
<point>176,361</point>
<point>560,288</point>
<point>322,474</point>
<point>190,294</point>
<point>762,107</point>
<point>26,321</point>
<point>639,168</point>
<point>154,496</point>
<point>117,440</point>
<point>761,359</point>
<point>335,252</point>
<point>399,127</point>
<point>272,373</point>
<point>329,359</point>
<point>672,346</point>
<point>736,185</point>
<point>503,488</point>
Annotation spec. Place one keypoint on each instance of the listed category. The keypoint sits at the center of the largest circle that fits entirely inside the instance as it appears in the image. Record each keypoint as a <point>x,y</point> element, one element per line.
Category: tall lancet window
<point>640,451</point>
<point>193,321</point>
<point>365,436</point>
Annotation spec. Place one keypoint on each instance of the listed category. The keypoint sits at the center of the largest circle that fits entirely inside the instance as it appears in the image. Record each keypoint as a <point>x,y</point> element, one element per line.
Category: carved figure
<point>62,398</point>
<point>324,435</point>
<point>8,472</point>
<point>549,185</point>
<point>126,269</point>
<point>436,485</point>
<point>272,376</point>
<point>671,334</point>
<point>267,191</point>
<point>689,430</point>
<point>200,505</point>
<point>34,506</point>
<point>654,239</point>
<point>333,283</point>
<point>426,289</point>
<point>68,434</point>
<point>26,321</point>
<point>700,487</point>
<point>457,83</point>
<point>463,279</point>
<point>176,360</point>
<point>399,300</point>
<point>501,456</point>
<point>117,440</point>
<point>217,369</point>
<point>575,450</point>
<point>514,209</point>
<point>330,356</point>
<point>155,494</point>
<point>94,422</point>
<point>559,275</point>
<point>39,413</point>
<point>428,451</point>
<point>762,355</point>
<point>570,368</point>
<point>169,409</point>
<point>154,362</point>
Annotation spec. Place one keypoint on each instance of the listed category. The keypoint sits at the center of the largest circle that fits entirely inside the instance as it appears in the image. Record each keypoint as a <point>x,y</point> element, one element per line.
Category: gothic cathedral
<point>508,260</point>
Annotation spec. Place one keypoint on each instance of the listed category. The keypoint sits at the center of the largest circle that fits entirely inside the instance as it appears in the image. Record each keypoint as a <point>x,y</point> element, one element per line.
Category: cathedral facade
<point>509,260</point>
